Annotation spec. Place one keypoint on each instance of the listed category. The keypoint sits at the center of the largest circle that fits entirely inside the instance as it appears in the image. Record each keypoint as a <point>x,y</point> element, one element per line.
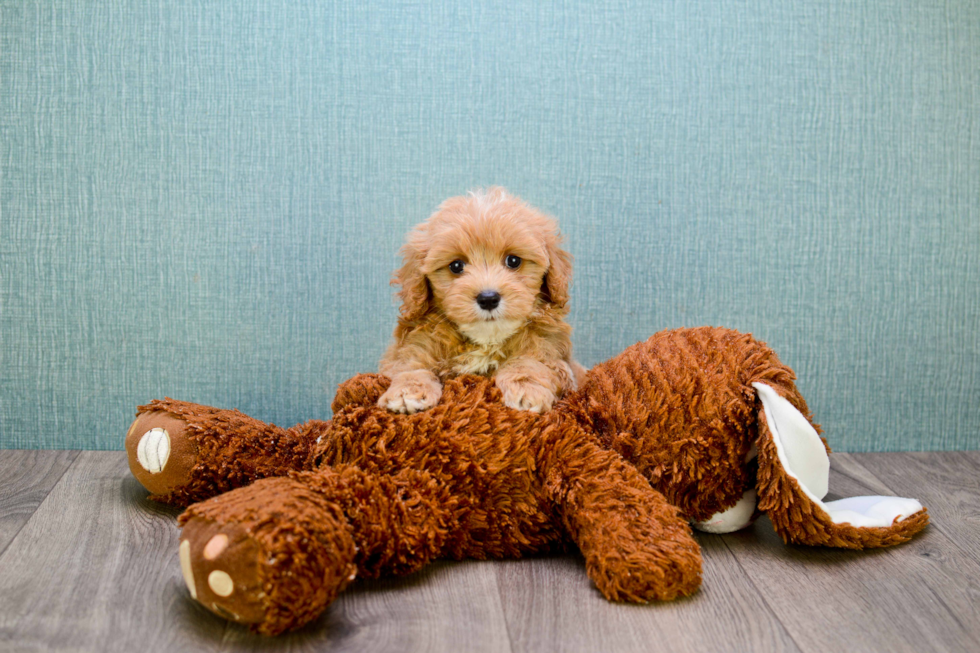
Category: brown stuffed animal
<point>700,425</point>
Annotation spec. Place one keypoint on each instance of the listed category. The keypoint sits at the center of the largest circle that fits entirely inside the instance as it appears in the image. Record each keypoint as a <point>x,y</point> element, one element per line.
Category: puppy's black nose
<point>488,300</point>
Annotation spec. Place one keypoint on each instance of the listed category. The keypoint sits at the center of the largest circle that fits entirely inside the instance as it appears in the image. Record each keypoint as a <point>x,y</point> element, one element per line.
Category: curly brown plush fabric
<point>230,450</point>
<point>681,408</point>
<point>658,436</point>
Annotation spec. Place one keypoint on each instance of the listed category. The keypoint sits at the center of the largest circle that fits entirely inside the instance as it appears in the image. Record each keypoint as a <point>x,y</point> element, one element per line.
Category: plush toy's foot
<point>271,555</point>
<point>220,564</point>
<point>183,452</point>
<point>161,454</point>
<point>274,554</point>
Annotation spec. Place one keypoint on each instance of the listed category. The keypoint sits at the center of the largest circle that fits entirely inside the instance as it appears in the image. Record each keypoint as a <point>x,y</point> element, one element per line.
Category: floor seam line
<point>27,521</point>
<point>762,595</point>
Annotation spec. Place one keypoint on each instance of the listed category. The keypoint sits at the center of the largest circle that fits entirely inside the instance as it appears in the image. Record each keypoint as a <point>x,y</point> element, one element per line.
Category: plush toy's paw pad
<point>527,395</point>
<point>161,455</point>
<point>220,565</point>
<point>153,450</point>
<point>411,395</point>
<point>734,519</point>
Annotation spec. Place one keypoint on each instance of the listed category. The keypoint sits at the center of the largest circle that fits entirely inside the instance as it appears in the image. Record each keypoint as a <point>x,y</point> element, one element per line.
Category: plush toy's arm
<point>636,545</point>
<point>361,390</point>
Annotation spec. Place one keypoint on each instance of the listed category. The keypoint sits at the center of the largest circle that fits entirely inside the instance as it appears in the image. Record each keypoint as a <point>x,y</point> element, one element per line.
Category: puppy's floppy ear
<point>415,293</point>
<point>554,287</point>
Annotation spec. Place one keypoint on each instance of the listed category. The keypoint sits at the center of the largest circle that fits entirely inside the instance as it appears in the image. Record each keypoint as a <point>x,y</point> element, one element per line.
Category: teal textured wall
<point>205,199</point>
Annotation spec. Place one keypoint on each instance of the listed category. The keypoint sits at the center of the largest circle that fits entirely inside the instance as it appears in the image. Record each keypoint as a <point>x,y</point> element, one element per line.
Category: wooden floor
<point>87,563</point>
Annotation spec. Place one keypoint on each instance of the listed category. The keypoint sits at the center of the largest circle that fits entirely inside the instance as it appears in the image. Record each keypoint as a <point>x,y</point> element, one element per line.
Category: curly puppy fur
<point>484,290</point>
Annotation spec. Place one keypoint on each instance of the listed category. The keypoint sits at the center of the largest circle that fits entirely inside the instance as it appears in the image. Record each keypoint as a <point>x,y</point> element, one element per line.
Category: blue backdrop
<point>204,199</point>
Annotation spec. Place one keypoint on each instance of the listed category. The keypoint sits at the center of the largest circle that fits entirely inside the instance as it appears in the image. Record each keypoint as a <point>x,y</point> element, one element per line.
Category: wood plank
<point>551,604</point>
<point>948,483</point>
<point>921,596</point>
<point>449,606</point>
<point>95,569</point>
<point>26,477</point>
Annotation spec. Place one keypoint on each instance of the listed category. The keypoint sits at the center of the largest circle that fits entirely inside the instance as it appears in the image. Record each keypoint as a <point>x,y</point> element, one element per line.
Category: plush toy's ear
<point>554,287</point>
<point>415,293</point>
<point>792,482</point>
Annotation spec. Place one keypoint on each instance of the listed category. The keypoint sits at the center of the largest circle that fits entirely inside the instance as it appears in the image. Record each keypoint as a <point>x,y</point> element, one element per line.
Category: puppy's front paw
<point>411,392</point>
<point>526,395</point>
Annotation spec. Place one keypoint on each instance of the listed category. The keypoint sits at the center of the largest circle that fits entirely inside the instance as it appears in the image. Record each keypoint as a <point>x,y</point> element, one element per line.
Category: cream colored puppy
<point>484,288</point>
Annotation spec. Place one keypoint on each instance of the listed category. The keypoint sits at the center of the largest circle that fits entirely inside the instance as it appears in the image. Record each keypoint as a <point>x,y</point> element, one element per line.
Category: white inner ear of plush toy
<point>804,457</point>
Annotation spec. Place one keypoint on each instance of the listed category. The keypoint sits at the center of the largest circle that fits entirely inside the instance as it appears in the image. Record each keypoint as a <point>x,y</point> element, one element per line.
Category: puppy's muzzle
<point>488,300</point>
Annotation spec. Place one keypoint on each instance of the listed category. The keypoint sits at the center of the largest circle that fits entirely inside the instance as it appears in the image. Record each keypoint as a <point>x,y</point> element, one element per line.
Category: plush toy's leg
<point>793,475</point>
<point>183,452</point>
<point>636,545</point>
<point>274,554</point>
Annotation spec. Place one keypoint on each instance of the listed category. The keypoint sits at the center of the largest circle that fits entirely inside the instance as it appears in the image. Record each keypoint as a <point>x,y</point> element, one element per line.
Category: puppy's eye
<point>513,262</point>
<point>456,267</point>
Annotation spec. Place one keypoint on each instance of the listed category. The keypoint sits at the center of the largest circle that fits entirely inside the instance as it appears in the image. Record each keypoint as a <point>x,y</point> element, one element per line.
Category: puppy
<point>484,288</point>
